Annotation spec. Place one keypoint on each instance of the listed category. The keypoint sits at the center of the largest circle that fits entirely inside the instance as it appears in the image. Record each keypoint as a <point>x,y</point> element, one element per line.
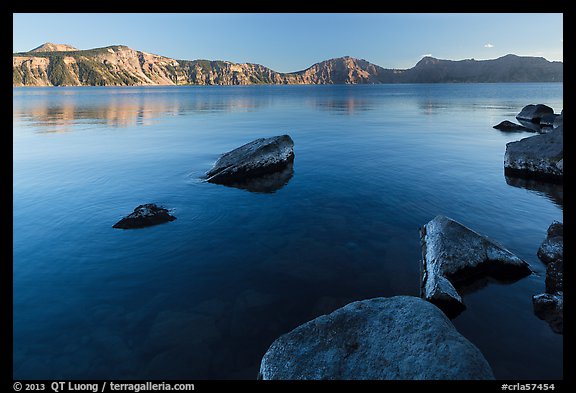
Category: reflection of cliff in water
<point>432,106</point>
<point>268,183</point>
<point>123,110</point>
<point>552,191</point>
<point>341,106</point>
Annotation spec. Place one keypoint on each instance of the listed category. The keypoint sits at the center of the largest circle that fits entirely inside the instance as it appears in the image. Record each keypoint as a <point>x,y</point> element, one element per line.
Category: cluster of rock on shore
<point>541,157</point>
<point>404,337</point>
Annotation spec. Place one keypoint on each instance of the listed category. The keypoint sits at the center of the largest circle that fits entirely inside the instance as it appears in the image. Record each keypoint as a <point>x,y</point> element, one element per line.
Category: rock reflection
<point>432,107</point>
<point>341,106</point>
<point>552,191</point>
<point>268,183</point>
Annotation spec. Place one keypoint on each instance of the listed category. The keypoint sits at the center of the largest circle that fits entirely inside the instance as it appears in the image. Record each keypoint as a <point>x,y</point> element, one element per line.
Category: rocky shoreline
<point>361,340</point>
<point>541,156</point>
<point>549,305</point>
<point>404,337</point>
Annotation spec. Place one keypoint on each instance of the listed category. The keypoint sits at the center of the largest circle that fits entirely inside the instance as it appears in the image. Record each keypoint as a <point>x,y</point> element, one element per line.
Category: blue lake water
<point>204,296</point>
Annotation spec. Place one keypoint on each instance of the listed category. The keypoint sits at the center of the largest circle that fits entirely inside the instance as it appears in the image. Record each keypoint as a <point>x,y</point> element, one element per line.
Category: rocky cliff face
<point>343,70</point>
<point>63,65</point>
<point>114,65</point>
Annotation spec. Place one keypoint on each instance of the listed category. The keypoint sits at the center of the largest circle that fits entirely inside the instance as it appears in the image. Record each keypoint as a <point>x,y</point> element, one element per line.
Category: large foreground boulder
<point>549,306</point>
<point>144,216</point>
<point>453,254</point>
<point>397,338</point>
<point>538,156</point>
<point>260,157</point>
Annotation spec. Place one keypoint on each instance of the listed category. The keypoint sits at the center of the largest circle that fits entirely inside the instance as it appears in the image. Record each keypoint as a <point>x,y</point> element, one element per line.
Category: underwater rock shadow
<point>553,191</point>
<point>266,184</point>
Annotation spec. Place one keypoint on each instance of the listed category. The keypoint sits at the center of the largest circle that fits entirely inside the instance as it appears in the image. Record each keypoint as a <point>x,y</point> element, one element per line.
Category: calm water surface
<point>204,296</point>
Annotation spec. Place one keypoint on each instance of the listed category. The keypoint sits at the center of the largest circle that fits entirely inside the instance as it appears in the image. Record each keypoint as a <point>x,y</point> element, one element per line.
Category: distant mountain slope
<point>119,65</point>
<point>509,68</point>
<point>50,47</point>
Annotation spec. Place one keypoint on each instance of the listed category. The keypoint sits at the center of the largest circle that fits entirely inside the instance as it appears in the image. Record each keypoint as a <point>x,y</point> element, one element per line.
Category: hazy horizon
<point>293,42</point>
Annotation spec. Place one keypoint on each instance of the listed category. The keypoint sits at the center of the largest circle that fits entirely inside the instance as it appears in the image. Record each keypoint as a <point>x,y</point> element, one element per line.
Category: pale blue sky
<point>292,42</point>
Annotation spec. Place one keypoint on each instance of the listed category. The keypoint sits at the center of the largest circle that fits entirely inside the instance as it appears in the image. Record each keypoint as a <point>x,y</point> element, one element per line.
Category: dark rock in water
<point>533,113</point>
<point>555,276</point>
<point>396,338</point>
<point>552,248</point>
<point>554,191</point>
<point>550,307</point>
<point>144,216</point>
<point>558,121</point>
<point>548,120</point>
<point>453,253</point>
<point>533,127</point>
<point>508,126</point>
<point>268,183</point>
<point>538,157</point>
<point>257,158</point>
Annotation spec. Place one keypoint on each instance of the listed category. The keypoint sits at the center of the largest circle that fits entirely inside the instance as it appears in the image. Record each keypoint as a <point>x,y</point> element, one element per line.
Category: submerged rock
<point>550,308</point>
<point>539,156</point>
<point>533,113</point>
<point>397,338</point>
<point>552,248</point>
<point>453,254</point>
<point>508,126</point>
<point>144,216</point>
<point>257,158</point>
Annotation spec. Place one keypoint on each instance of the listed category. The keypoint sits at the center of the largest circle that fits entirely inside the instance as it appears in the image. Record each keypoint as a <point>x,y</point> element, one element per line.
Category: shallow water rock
<point>533,113</point>
<point>508,126</point>
<point>552,248</point>
<point>144,216</point>
<point>453,254</point>
<point>550,308</point>
<point>538,156</point>
<point>260,157</point>
<point>396,338</point>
